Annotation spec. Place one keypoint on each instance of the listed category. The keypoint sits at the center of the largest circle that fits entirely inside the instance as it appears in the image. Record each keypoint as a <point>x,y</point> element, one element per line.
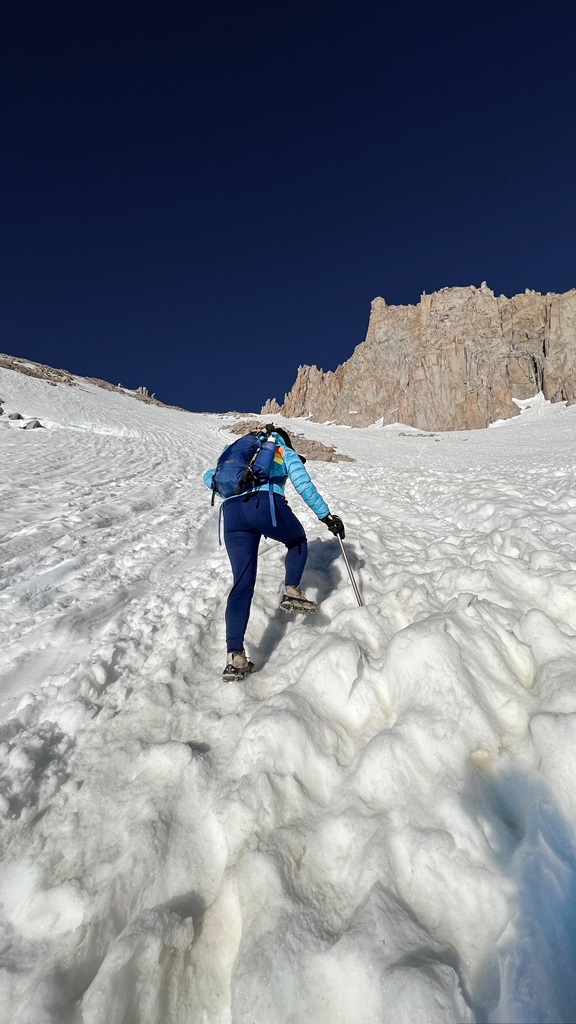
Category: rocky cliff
<point>455,361</point>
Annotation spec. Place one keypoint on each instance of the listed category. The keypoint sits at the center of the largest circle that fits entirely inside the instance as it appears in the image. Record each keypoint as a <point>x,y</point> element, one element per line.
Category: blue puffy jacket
<point>286,464</point>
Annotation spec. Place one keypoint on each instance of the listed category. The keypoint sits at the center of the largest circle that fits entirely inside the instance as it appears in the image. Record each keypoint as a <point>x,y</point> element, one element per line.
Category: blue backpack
<point>243,466</point>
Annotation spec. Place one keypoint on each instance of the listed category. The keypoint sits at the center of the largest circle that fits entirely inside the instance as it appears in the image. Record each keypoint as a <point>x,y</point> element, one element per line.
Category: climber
<point>264,511</point>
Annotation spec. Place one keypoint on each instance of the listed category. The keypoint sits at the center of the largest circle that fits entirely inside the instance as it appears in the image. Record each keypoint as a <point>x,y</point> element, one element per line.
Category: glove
<point>335,525</point>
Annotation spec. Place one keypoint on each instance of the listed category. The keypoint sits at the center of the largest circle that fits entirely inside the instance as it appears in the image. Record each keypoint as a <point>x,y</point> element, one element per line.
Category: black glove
<point>335,525</point>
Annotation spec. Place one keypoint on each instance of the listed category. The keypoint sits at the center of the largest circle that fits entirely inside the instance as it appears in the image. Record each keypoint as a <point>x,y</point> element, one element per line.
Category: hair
<point>285,437</point>
<point>288,441</point>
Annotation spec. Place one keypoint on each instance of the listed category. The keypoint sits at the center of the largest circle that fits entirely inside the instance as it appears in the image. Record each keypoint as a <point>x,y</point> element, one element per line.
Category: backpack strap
<point>219,522</point>
<point>224,500</point>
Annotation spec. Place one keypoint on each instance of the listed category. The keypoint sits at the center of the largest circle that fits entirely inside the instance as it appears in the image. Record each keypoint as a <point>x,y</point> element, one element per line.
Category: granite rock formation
<point>453,362</point>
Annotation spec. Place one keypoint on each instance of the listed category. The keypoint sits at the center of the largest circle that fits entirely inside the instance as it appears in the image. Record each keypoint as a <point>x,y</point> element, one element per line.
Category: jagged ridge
<point>454,361</point>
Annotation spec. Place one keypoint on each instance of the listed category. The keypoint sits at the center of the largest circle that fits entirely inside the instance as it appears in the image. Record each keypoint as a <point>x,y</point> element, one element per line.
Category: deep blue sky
<point>199,198</point>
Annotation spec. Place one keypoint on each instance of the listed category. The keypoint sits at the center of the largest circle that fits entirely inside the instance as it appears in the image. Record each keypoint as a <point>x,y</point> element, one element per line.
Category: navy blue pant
<point>246,520</point>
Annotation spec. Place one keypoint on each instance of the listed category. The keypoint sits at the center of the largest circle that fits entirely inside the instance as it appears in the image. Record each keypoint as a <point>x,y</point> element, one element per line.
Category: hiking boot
<point>237,666</point>
<point>293,600</point>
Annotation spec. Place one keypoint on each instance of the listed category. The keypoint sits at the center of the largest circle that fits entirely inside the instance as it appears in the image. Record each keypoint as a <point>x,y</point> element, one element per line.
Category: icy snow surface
<point>378,826</point>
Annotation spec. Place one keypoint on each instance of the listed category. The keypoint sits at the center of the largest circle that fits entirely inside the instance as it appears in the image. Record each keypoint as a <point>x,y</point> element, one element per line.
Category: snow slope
<point>379,826</point>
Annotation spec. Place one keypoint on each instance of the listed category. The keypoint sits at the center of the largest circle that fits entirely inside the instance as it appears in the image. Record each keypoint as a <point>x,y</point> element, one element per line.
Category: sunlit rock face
<point>455,361</point>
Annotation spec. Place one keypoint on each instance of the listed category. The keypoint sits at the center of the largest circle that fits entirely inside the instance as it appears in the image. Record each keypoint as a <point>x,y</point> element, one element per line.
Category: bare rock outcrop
<point>313,450</point>
<point>455,361</point>
<point>32,369</point>
<point>55,377</point>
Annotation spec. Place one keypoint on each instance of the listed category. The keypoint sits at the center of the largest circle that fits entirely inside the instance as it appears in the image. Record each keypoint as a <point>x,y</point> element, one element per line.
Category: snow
<point>379,825</point>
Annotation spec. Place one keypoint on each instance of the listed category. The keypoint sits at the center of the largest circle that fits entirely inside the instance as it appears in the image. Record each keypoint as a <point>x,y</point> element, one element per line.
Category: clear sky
<point>198,198</point>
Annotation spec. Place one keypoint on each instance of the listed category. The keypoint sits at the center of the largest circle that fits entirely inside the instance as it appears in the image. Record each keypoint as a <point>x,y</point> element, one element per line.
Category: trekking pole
<point>352,580</point>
